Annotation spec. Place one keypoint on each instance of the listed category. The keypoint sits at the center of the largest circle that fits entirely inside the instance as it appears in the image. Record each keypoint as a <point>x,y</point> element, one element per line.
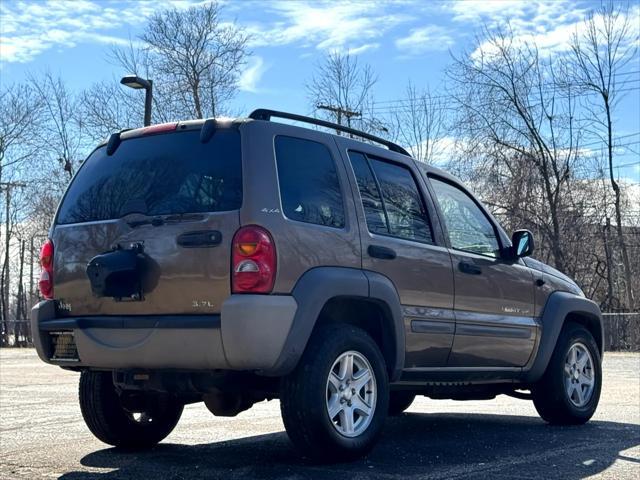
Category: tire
<point>112,424</point>
<point>561,397</point>
<point>308,393</point>
<point>399,401</point>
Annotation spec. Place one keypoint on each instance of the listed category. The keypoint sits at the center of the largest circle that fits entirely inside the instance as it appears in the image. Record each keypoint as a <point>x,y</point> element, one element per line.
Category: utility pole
<point>31,271</point>
<point>8,188</point>
<point>348,114</point>
<point>19,332</point>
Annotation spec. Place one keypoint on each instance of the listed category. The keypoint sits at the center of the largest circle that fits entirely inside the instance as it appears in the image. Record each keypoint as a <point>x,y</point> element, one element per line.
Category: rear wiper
<point>170,219</point>
<point>155,221</point>
<point>184,217</point>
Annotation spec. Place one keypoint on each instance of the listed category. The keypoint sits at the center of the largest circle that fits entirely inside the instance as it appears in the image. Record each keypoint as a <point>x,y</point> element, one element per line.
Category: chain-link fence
<point>621,331</point>
<point>15,333</point>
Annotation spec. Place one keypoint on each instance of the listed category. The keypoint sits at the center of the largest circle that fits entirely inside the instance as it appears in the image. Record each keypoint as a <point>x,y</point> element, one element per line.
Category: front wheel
<point>111,423</point>
<point>335,402</point>
<point>569,391</point>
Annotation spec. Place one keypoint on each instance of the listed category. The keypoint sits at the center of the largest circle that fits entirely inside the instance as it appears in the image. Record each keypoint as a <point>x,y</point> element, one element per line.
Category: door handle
<point>385,253</point>
<point>469,268</point>
<point>201,238</point>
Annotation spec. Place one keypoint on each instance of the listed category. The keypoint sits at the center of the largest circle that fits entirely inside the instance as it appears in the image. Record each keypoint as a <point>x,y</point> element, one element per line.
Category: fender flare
<point>319,285</point>
<point>559,305</point>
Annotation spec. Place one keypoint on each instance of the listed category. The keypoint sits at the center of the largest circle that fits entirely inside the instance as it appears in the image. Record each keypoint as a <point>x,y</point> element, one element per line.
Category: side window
<point>309,186</point>
<point>391,200</point>
<point>469,228</point>
<point>370,195</point>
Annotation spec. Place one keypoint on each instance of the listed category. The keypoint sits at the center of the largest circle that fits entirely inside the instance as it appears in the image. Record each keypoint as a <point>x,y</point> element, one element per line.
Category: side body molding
<point>559,305</point>
<point>319,285</point>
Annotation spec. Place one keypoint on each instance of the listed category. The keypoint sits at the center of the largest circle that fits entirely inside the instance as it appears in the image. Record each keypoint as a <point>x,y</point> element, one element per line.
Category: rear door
<point>177,198</point>
<point>398,241</point>
<point>494,298</point>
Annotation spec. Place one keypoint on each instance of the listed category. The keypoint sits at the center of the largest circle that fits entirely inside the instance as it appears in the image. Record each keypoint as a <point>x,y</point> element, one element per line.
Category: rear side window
<point>391,199</point>
<point>309,186</point>
<point>171,173</point>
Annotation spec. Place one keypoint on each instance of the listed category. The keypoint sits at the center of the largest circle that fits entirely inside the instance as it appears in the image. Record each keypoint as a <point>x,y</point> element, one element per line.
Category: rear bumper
<point>249,334</point>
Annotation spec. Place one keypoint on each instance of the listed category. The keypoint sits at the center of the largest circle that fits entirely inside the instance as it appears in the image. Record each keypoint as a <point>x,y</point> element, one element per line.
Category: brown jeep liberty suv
<point>233,261</point>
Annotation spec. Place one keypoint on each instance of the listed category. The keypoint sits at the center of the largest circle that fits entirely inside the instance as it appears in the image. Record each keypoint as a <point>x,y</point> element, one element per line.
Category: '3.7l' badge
<point>202,304</point>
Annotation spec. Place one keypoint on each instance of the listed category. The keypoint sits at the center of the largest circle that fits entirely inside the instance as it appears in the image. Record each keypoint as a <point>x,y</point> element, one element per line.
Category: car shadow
<point>436,445</point>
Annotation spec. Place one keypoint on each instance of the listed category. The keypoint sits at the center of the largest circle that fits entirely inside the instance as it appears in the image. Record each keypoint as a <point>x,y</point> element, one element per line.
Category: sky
<point>403,40</point>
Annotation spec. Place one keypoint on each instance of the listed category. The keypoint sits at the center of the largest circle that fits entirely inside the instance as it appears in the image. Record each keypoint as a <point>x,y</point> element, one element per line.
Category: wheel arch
<point>563,307</point>
<point>334,294</point>
<point>590,322</point>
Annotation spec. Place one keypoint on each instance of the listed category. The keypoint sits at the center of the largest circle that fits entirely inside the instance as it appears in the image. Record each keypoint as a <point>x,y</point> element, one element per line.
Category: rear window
<point>157,175</point>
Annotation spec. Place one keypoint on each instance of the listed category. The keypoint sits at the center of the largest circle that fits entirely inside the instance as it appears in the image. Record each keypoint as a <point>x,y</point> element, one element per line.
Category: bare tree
<point>196,56</point>
<point>61,129</point>
<point>600,52</point>
<point>20,109</point>
<point>169,102</point>
<point>342,90</point>
<point>194,60</point>
<point>419,123</point>
<point>106,108</point>
<point>512,112</point>
<point>40,144</point>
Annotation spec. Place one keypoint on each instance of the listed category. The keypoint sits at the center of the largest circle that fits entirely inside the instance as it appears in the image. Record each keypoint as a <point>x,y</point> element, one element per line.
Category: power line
<point>631,164</point>
<point>544,90</point>
<point>627,144</point>
<point>603,142</point>
<point>404,105</point>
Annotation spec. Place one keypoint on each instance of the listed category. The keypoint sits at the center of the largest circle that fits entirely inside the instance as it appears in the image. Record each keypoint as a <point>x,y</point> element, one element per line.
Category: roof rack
<point>266,114</point>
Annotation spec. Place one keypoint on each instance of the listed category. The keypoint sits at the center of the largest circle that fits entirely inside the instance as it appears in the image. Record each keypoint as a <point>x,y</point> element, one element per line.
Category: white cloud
<point>252,75</point>
<point>548,24</point>
<point>481,11</point>
<point>429,38</point>
<point>552,26</point>
<point>363,48</point>
<point>27,29</point>
<point>352,27</point>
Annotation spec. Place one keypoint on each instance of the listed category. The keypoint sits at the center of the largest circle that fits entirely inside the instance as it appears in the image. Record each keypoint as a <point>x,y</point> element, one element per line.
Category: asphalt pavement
<point>42,435</point>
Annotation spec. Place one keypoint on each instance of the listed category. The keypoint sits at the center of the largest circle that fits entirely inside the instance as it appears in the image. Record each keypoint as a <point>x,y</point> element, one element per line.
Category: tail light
<point>253,261</point>
<point>46,272</point>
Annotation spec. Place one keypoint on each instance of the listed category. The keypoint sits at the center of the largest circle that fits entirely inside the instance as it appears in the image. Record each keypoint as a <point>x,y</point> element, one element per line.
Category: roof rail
<point>266,114</point>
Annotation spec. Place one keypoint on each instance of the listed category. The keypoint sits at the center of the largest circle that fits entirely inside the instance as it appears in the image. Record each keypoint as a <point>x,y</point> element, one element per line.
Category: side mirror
<point>523,244</point>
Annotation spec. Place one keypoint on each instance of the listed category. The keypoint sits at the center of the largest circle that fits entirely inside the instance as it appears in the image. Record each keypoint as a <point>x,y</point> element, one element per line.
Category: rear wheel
<point>569,391</point>
<point>335,402</point>
<point>111,423</point>
<point>399,401</point>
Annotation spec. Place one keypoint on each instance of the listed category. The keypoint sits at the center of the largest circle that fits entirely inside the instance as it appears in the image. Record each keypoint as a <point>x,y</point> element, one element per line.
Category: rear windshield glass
<point>161,174</point>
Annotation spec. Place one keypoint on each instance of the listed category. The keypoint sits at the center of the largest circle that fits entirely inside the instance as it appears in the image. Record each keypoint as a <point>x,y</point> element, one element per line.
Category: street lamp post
<point>137,83</point>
